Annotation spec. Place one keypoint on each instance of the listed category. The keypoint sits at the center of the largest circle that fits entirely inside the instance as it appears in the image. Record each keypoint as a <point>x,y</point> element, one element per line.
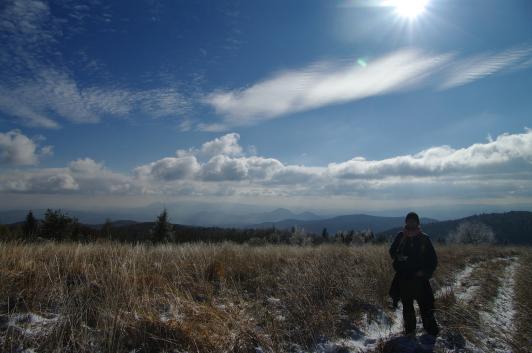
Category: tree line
<point>59,226</point>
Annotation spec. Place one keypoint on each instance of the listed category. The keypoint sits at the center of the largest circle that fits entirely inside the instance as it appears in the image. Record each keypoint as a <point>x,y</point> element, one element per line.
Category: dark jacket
<point>411,254</point>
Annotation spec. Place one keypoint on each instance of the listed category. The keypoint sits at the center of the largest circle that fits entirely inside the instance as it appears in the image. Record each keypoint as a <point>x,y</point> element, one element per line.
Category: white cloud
<point>16,148</point>
<point>224,168</point>
<point>27,22</point>
<point>227,145</point>
<point>47,150</point>
<point>500,168</point>
<point>324,83</point>
<point>333,82</point>
<point>493,168</point>
<point>224,160</point>
<point>52,94</point>
<point>212,127</point>
<point>506,151</point>
<point>471,69</point>
<point>85,166</point>
<point>12,106</point>
<point>83,176</point>
<point>38,89</point>
<point>169,168</point>
<point>46,180</point>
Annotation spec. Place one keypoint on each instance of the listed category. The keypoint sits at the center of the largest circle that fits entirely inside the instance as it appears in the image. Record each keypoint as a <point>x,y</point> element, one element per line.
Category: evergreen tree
<point>163,229</point>
<point>30,226</point>
<point>59,226</point>
<point>325,234</point>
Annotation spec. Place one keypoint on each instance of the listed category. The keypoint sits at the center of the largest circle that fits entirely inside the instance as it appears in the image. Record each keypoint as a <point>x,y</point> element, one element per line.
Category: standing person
<point>414,260</point>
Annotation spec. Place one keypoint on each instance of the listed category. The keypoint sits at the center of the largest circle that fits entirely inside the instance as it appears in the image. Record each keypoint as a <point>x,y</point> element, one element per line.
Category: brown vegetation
<point>226,297</point>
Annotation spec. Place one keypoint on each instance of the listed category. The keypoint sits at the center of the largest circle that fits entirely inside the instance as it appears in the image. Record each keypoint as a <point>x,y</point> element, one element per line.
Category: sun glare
<point>409,8</point>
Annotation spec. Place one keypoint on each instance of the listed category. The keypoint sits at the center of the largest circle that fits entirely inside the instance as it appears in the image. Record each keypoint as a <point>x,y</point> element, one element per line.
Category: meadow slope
<point>109,297</point>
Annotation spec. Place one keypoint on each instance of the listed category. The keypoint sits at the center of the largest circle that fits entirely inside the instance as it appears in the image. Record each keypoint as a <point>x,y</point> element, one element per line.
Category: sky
<point>361,106</point>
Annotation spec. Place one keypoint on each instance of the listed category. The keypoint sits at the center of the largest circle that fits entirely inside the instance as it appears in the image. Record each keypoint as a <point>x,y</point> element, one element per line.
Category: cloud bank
<point>498,169</point>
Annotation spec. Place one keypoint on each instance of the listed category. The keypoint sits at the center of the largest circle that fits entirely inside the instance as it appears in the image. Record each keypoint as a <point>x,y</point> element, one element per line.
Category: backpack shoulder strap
<point>401,243</point>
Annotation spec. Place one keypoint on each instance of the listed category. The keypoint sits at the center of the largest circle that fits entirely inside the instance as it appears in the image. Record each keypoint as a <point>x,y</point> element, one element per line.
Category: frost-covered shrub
<point>469,232</point>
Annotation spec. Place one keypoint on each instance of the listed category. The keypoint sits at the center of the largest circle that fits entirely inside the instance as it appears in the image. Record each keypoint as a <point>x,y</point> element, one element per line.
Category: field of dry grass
<point>109,297</point>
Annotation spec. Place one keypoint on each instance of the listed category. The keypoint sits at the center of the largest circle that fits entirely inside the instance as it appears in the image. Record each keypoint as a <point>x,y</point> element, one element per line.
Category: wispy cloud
<point>468,70</point>
<point>53,94</point>
<point>37,89</point>
<point>325,83</point>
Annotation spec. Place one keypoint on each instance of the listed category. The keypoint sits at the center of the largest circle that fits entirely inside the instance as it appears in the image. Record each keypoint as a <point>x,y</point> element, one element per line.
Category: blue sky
<point>323,105</point>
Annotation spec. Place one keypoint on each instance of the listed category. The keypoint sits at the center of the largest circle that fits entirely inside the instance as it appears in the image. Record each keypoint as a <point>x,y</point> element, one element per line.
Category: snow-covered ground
<point>367,336</point>
<point>383,327</point>
<point>498,320</point>
<point>462,287</point>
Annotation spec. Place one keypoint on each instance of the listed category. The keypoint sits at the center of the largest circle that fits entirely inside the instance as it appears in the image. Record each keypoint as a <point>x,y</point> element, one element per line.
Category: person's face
<point>411,224</point>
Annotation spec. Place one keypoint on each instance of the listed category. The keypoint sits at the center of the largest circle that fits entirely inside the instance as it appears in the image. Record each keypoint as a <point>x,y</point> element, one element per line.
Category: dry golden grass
<point>201,297</point>
<point>522,342</point>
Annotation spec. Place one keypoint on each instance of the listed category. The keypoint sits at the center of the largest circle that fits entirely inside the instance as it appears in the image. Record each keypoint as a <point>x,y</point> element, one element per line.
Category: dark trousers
<point>420,290</point>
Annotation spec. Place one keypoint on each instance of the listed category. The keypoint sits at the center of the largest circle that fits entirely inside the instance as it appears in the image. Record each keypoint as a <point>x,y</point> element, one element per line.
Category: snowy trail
<point>498,321</point>
<point>496,325</point>
<point>459,286</point>
<point>384,326</point>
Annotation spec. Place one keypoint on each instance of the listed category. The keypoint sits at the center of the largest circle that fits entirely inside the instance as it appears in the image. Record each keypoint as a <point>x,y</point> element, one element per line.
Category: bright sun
<point>409,8</point>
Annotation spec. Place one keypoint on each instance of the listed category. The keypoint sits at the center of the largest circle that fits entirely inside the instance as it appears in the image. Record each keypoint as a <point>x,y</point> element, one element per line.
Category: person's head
<point>411,220</point>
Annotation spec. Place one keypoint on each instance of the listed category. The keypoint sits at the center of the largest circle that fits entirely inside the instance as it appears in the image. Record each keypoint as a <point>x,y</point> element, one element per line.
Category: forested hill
<point>513,227</point>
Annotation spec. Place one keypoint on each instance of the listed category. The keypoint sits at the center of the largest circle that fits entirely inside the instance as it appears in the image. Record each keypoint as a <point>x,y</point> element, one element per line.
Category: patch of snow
<point>273,300</point>
<point>371,332</point>
<point>459,286</point>
<point>462,286</point>
<point>171,314</point>
<point>32,324</point>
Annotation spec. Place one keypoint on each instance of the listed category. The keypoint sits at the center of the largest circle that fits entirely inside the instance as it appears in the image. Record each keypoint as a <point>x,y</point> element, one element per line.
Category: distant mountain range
<point>197,214</point>
<point>223,219</point>
<point>345,222</point>
<point>514,227</point>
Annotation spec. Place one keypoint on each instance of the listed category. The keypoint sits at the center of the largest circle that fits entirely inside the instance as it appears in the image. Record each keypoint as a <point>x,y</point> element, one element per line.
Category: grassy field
<point>108,297</point>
